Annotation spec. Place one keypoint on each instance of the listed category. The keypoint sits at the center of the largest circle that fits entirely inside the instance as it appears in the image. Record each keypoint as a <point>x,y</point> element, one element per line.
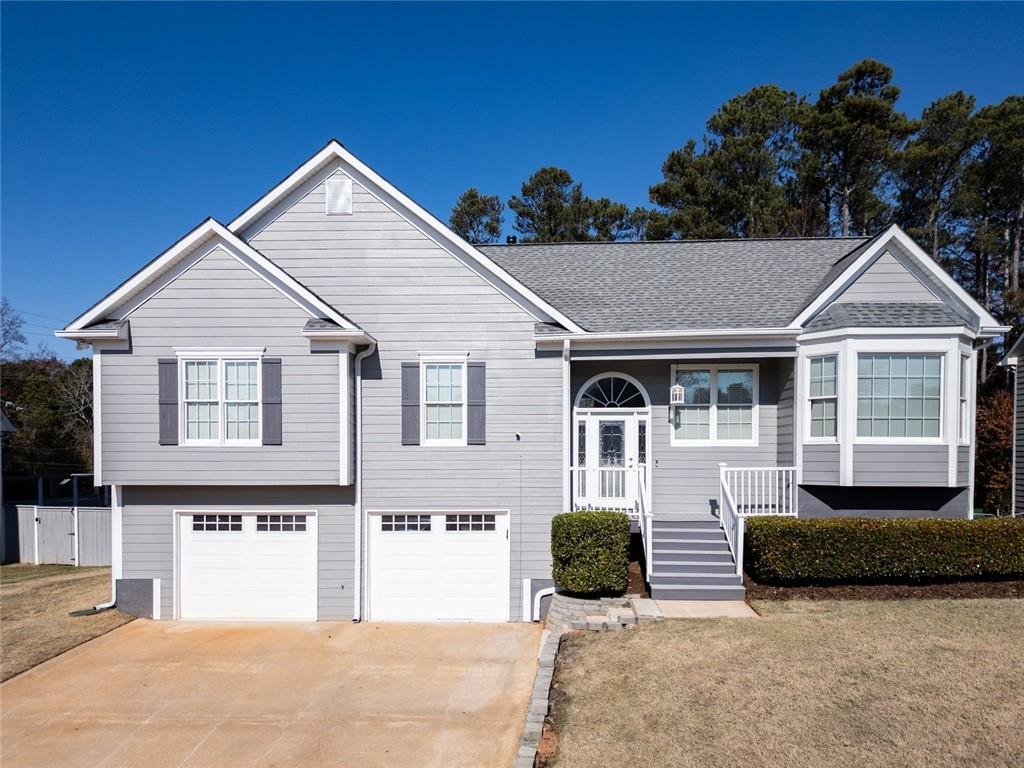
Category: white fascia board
<point>900,332</point>
<point>689,335</point>
<point>431,227</point>
<point>148,278</point>
<point>354,336</point>
<point>988,323</point>
<point>121,332</point>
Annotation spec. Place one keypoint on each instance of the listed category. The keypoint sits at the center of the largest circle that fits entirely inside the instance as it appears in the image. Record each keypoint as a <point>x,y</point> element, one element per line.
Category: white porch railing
<point>645,516</point>
<point>733,525</point>
<point>616,488</point>
<point>761,490</point>
<point>750,492</point>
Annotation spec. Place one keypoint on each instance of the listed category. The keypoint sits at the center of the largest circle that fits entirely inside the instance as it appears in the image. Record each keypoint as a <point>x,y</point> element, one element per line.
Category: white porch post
<point>566,430</point>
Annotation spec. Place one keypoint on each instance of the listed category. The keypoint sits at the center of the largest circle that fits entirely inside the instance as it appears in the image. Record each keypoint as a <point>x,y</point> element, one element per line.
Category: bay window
<point>719,405</point>
<point>823,396</point>
<point>899,396</point>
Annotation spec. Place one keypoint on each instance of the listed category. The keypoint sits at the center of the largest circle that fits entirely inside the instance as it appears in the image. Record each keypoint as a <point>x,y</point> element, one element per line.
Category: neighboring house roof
<point>149,280</point>
<point>679,284</point>
<point>6,426</point>
<point>876,314</point>
<point>1013,353</point>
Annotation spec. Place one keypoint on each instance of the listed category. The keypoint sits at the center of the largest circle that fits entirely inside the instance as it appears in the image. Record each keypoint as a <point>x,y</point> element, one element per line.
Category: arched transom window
<point>612,392</point>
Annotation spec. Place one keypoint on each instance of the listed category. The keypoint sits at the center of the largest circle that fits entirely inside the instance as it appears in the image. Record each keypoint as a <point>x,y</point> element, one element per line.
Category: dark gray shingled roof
<point>319,324</point>
<point>873,314</point>
<point>676,285</point>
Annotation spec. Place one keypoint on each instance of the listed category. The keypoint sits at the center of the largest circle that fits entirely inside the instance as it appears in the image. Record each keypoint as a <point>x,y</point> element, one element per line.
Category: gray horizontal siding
<point>148,533</point>
<point>219,303</point>
<point>685,479</point>
<point>821,464</point>
<point>415,297</point>
<point>887,280</point>
<point>963,465</point>
<point>901,465</point>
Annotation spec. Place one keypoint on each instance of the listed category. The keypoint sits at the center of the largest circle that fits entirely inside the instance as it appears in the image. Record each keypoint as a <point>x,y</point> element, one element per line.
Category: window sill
<point>231,444</point>
<point>713,443</point>
<point>899,441</point>
<point>443,444</point>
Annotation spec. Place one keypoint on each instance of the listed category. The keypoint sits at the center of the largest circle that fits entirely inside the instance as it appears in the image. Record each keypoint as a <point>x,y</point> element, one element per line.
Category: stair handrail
<point>732,523</point>
<point>646,519</point>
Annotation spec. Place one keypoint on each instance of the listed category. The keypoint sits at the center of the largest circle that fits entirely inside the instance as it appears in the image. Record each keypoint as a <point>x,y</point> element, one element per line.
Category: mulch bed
<point>636,580</point>
<point>952,591</point>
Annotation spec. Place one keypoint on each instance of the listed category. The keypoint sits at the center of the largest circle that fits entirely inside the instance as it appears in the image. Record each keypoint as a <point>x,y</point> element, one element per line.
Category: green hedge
<point>787,551</point>
<point>590,552</point>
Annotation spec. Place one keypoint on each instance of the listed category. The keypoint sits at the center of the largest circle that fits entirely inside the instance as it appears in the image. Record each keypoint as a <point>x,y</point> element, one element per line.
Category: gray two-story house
<point>333,407</point>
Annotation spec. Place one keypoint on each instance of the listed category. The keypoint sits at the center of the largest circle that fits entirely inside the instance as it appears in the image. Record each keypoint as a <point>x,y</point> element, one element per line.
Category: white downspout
<point>115,547</point>
<point>357,598</point>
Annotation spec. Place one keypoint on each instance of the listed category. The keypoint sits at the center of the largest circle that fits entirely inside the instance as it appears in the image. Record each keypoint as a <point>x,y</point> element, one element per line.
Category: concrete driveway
<point>157,694</point>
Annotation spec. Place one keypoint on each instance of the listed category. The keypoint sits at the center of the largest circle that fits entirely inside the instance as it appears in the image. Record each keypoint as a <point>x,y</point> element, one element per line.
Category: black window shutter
<point>168,401</point>
<point>410,403</point>
<point>476,403</point>
<point>272,430</point>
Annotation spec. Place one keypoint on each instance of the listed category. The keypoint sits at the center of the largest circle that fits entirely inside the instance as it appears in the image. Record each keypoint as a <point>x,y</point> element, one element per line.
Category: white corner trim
<point>567,420</point>
<point>147,281</point>
<point>922,259</point>
<point>97,417</point>
<point>419,217</point>
<point>344,396</point>
<point>156,599</point>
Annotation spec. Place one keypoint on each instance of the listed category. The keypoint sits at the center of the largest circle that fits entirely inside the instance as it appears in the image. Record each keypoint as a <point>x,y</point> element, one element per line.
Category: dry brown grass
<point>34,606</point>
<point>811,684</point>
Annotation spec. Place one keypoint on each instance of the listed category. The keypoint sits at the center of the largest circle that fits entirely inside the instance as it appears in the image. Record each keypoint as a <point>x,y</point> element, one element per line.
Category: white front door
<point>439,566</point>
<point>611,448</point>
<point>247,566</point>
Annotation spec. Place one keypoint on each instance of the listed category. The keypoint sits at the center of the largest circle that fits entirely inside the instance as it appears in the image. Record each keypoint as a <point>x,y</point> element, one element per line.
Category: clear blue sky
<point>125,125</point>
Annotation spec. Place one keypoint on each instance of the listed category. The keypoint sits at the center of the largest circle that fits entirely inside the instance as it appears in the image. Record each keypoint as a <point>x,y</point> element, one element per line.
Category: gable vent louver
<point>338,196</point>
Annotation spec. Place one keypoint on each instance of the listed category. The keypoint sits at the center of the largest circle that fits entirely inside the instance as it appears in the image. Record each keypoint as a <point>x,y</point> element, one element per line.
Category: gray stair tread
<point>689,565</point>
<point>691,573</point>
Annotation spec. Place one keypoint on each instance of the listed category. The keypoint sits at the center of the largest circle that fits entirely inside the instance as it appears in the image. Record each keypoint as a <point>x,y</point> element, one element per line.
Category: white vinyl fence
<point>63,535</point>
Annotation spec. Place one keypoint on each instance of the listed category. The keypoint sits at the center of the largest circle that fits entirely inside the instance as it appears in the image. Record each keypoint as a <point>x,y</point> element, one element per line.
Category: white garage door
<point>439,567</point>
<point>248,566</point>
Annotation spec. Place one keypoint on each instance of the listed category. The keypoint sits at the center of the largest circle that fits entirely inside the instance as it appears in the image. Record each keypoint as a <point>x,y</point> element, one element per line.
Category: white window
<point>965,413</point>
<point>719,405</point>
<point>444,402</point>
<point>899,396</point>
<point>823,396</point>
<point>220,401</point>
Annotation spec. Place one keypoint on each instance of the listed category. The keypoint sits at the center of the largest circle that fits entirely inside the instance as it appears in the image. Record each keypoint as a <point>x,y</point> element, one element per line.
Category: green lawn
<point>810,684</point>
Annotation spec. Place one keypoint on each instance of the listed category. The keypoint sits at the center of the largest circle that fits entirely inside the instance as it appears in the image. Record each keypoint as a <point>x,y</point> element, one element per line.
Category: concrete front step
<point>679,565</point>
<point>694,578</point>
<point>705,592</point>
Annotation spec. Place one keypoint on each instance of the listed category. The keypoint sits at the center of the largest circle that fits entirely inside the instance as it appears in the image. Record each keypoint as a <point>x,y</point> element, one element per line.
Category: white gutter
<point>357,597</point>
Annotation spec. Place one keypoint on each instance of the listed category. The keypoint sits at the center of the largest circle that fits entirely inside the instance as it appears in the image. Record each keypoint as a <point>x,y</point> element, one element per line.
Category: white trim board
<point>416,215</point>
<point>184,254</point>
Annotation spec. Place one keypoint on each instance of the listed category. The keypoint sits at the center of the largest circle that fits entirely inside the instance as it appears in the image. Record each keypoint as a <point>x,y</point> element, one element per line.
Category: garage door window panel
<point>216,522</point>
<point>280,523</point>
<point>402,523</point>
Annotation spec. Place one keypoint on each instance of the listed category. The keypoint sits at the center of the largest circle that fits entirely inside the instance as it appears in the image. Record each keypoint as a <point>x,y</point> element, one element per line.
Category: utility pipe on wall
<point>357,598</point>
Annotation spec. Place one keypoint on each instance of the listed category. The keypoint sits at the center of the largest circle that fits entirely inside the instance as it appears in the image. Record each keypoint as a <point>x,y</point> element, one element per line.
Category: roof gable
<point>416,215</point>
<point>188,251</point>
<point>930,274</point>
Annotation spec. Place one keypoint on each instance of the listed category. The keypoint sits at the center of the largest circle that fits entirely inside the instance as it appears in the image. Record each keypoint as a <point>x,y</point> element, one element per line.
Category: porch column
<point>566,430</point>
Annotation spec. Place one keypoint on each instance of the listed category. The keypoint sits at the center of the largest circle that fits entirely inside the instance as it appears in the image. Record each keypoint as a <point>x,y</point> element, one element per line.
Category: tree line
<point>49,403</point>
<point>773,163</point>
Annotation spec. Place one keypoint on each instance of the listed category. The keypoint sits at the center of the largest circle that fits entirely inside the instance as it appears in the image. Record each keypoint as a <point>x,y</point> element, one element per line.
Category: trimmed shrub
<point>788,551</point>
<point>590,552</point>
